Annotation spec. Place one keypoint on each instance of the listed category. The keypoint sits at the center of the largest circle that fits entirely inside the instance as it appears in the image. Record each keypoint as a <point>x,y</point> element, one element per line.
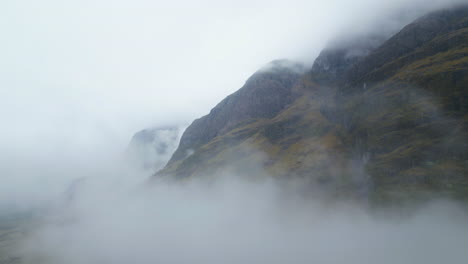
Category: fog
<point>79,78</point>
<point>233,220</point>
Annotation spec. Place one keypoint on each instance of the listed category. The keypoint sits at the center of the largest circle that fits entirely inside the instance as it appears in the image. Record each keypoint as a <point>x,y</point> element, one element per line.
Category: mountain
<point>263,96</point>
<point>151,148</point>
<point>382,120</point>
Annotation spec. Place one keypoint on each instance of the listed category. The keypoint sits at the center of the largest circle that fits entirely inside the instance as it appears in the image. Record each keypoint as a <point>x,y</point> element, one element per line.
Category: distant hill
<point>151,149</point>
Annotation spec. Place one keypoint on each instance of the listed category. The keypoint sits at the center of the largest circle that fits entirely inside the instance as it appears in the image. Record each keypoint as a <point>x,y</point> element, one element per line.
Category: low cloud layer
<point>237,221</point>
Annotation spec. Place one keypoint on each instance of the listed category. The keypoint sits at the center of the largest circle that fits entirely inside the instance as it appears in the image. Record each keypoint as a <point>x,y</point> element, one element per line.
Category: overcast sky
<point>78,78</point>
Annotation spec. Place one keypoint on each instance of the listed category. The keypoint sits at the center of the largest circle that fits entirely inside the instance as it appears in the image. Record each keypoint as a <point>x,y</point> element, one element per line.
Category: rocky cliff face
<point>335,60</point>
<point>264,95</point>
<point>388,123</point>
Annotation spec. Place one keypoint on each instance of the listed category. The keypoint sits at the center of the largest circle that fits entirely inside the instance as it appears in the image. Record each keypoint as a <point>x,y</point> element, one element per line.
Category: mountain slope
<point>265,94</point>
<point>389,124</point>
<point>409,112</point>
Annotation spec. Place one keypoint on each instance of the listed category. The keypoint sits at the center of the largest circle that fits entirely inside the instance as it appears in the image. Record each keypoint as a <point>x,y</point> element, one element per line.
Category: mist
<point>79,78</point>
<point>232,220</point>
<point>239,215</point>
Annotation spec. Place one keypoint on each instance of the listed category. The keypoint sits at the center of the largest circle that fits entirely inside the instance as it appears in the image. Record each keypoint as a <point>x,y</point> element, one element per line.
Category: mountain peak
<point>264,94</point>
<point>283,65</point>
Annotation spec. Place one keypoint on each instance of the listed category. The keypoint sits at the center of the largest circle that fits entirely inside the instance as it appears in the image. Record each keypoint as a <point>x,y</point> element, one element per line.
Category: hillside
<point>388,124</point>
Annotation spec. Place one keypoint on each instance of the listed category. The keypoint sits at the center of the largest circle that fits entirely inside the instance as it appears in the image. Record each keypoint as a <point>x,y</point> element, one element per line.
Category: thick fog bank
<point>233,220</point>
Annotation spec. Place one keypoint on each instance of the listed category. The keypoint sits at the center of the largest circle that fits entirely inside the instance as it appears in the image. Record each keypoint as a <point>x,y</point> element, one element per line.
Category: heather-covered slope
<point>388,124</point>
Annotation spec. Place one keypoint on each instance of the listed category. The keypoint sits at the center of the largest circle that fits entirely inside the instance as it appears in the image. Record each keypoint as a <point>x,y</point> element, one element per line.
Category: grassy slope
<point>414,121</point>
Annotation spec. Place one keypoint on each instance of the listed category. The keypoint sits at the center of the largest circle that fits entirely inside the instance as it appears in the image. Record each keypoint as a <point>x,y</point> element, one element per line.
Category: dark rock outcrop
<point>335,60</point>
<point>264,95</point>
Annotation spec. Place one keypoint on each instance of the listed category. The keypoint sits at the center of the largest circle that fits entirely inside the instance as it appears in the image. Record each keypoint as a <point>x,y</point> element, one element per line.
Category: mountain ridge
<point>393,119</point>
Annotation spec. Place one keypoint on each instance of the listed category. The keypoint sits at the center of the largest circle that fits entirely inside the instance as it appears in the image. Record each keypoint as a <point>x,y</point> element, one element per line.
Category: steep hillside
<point>387,124</point>
<point>264,94</point>
<point>405,106</point>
